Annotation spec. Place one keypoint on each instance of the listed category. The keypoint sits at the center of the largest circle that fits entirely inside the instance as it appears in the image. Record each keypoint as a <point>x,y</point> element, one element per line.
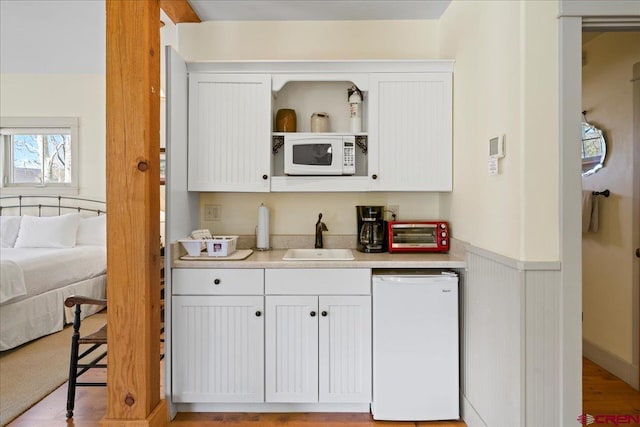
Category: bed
<point>52,248</point>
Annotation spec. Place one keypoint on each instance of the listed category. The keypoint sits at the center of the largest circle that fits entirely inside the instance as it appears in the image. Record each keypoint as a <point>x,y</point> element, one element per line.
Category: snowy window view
<point>39,153</point>
<point>41,158</point>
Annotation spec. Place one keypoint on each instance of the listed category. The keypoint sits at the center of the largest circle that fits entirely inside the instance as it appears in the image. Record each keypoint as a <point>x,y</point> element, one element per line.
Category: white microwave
<point>309,154</point>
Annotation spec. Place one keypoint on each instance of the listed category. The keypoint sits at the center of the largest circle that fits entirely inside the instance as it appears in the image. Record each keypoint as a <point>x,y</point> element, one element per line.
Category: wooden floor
<point>605,394</point>
<point>602,394</point>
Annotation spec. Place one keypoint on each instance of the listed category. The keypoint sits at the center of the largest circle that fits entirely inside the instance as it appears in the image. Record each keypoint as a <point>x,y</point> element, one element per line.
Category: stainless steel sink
<point>318,255</point>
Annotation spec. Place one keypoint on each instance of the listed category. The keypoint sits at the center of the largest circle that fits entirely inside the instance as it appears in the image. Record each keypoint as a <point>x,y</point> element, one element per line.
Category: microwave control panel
<point>348,157</point>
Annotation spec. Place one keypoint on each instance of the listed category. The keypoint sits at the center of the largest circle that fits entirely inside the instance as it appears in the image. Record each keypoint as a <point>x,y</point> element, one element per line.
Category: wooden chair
<point>97,341</point>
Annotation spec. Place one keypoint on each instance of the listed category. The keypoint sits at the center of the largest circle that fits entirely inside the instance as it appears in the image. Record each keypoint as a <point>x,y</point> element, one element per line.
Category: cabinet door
<point>218,348</point>
<point>411,135</point>
<point>345,348</point>
<point>229,132</point>
<point>291,348</point>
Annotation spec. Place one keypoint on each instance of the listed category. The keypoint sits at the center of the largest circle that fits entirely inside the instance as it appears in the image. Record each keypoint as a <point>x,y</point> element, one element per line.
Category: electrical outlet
<point>392,210</point>
<point>212,212</point>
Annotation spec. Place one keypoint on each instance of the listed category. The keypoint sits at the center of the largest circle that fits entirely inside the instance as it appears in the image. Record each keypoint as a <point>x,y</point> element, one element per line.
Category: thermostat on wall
<point>496,147</point>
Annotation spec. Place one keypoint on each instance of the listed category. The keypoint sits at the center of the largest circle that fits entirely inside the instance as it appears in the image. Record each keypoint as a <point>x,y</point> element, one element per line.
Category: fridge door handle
<point>413,279</point>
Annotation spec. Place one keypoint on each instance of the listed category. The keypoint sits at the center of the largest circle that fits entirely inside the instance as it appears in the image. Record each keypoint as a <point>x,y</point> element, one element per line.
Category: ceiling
<point>331,10</point>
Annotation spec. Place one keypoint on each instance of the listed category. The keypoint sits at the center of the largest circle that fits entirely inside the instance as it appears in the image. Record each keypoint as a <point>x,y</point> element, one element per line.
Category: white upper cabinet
<point>410,135</point>
<point>229,132</point>
<point>404,142</point>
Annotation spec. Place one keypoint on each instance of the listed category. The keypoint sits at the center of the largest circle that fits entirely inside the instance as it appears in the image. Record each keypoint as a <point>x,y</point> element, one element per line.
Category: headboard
<point>49,205</point>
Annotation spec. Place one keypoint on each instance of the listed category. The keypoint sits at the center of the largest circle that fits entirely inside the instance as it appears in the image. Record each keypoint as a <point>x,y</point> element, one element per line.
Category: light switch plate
<point>212,212</point>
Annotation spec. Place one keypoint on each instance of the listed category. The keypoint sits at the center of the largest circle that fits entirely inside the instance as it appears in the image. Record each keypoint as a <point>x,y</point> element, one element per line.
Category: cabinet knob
<point>265,176</point>
<point>258,313</point>
<point>324,314</point>
<point>374,176</point>
<point>313,314</point>
<point>216,281</point>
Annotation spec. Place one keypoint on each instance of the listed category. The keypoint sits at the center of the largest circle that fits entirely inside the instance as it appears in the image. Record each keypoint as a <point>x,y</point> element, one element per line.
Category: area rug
<point>30,372</point>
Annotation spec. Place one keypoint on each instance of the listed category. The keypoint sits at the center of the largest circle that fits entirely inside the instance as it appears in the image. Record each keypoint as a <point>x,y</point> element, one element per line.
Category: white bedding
<point>11,280</point>
<point>44,260</point>
<point>45,269</point>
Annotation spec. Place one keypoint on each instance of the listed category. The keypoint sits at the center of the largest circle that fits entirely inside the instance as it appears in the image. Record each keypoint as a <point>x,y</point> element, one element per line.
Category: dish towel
<point>589,212</point>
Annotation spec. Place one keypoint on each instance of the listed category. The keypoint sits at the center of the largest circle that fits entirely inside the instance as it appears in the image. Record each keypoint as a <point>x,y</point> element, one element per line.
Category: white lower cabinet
<point>217,337</point>
<point>291,350</point>
<point>218,346</point>
<point>219,343</point>
<point>318,348</point>
<point>264,345</point>
<point>345,349</point>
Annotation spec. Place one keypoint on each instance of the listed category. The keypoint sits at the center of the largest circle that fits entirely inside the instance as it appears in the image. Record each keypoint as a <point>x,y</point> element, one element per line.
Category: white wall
<point>505,82</point>
<point>65,95</point>
<point>607,256</point>
<point>52,63</point>
<point>273,40</point>
<point>297,213</point>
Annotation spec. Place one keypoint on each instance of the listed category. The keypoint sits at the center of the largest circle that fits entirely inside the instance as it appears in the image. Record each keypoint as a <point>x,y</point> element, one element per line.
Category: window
<point>39,155</point>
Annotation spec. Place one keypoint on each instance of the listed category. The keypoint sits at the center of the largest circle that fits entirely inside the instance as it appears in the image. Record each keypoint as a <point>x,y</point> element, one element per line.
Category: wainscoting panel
<point>493,346</point>
<point>542,359</point>
<point>510,341</point>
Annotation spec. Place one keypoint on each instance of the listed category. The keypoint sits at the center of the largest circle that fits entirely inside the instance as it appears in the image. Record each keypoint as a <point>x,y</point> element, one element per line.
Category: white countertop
<point>273,259</point>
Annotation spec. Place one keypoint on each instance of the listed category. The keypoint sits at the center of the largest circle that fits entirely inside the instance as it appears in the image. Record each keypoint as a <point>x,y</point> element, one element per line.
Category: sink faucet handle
<point>321,224</point>
<point>320,227</point>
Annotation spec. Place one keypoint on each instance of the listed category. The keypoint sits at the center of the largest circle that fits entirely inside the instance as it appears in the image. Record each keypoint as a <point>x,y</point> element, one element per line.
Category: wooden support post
<point>133,223</point>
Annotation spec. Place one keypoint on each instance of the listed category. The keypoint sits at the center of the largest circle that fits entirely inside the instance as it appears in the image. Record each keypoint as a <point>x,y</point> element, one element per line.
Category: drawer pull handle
<point>216,281</point>
<point>258,313</point>
<point>313,314</point>
<point>324,314</point>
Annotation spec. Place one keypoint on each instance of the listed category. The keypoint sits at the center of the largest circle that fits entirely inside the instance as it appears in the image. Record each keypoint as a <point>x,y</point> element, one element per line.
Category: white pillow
<point>48,231</point>
<point>92,231</point>
<point>9,226</point>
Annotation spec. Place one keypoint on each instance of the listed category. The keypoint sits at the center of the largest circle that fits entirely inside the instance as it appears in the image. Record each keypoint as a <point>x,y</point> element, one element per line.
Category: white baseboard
<point>612,363</point>
<point>273,407</point>
<point>469,414</point>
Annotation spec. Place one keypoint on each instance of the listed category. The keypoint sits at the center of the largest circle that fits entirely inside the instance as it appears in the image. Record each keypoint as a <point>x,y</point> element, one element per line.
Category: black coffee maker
<point>372,229</point>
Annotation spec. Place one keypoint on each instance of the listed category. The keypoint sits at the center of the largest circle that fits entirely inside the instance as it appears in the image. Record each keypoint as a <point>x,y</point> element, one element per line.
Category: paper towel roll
<point>262,233</point>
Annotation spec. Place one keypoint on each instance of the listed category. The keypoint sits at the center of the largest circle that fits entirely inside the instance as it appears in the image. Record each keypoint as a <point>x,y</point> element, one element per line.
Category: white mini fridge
<point>415,346</point>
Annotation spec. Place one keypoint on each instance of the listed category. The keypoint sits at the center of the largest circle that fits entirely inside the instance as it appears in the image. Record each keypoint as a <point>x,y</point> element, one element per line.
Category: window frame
<point>6,157</point>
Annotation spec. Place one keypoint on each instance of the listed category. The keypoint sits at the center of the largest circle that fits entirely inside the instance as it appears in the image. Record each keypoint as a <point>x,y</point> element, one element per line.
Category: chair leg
<point>73,363</point>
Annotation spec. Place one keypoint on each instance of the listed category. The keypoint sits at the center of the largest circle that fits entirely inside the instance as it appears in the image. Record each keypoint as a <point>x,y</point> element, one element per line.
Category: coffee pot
<point>371,229</point>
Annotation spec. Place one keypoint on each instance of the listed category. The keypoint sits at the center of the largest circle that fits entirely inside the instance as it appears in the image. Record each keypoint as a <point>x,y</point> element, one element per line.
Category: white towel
<point>589,212</point>
<point>593,224</point>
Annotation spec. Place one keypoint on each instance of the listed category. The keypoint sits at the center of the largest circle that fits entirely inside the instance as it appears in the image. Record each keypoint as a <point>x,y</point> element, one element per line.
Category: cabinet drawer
<point>212,281</point>
<point>318,281</point>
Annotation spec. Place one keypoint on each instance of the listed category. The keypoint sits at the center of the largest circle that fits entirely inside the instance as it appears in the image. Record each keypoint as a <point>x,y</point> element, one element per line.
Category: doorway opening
<point>610,268</point>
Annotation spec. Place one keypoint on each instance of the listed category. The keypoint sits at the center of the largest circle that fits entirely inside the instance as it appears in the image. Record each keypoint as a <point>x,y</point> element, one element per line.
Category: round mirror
<point>594,149</point>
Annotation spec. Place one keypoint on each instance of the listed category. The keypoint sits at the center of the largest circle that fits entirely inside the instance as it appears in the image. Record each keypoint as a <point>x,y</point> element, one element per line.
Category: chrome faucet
<point>320,227</point>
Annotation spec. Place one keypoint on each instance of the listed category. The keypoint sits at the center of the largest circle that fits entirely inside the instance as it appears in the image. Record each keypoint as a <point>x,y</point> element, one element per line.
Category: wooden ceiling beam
<point>179,11</point>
